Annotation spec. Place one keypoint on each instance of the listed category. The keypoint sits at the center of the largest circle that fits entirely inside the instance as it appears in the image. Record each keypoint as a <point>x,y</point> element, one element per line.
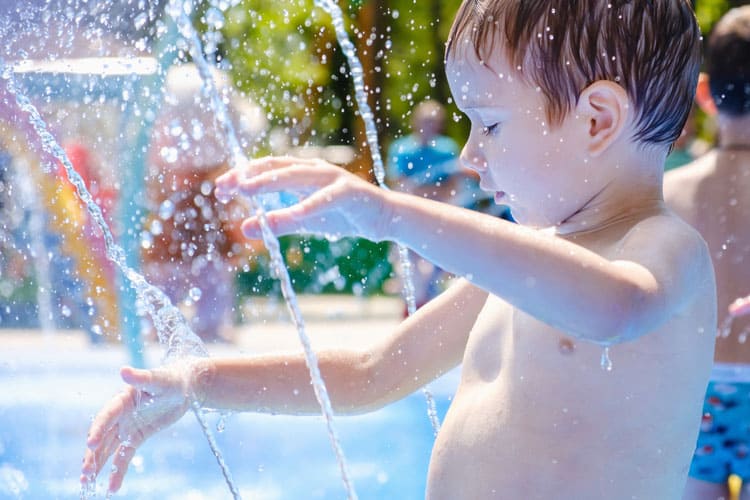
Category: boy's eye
<point>490,129</point>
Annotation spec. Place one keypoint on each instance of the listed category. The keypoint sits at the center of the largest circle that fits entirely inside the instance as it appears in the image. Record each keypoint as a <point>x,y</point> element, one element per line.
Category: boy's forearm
<point>280,383</point>
<point>558,282</point>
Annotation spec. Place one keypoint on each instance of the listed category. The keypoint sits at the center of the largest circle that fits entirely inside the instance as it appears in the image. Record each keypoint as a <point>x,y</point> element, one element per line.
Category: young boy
<point>713,195</point>
<point>573,106</point>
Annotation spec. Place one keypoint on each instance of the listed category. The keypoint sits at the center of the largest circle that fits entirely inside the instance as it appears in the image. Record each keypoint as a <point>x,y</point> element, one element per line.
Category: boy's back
<point>713,195</point>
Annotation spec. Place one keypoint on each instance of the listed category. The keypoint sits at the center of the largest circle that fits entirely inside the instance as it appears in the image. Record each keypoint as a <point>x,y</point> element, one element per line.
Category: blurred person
<point>195,242</point>
<point>425,163</point>
<point>713,194</point>
<point>688,146</point>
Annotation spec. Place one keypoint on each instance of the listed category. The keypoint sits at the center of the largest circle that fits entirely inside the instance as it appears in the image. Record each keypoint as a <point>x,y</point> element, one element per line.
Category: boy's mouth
<point>499,195</point>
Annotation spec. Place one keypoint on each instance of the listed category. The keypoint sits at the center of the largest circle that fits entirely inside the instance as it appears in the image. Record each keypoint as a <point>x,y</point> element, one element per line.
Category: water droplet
<point>140,20</point>
<point>215,18</point>
<point>147,240</point>
<point>166,209</point>
<point>726,327</point>
<point>606,362</point>
<point>157,227</point>
<point>195,294</point>
<point>221,425</point>
<point>168,154</point>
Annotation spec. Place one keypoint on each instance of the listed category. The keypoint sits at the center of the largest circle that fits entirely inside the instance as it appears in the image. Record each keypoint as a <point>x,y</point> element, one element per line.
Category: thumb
<point>143,380</point>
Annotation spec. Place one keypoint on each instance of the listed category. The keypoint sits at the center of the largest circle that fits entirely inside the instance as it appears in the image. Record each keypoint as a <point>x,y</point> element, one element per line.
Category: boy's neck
<point>636,189</point>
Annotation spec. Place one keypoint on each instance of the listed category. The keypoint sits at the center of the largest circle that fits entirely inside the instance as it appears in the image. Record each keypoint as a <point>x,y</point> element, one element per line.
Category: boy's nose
<point>473,158</point>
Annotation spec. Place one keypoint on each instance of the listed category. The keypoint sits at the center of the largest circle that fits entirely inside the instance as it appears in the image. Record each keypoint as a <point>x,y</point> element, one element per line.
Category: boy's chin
<point>530,219</point>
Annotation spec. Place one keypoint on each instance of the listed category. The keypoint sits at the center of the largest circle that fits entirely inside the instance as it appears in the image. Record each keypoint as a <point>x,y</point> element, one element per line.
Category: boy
<point>713,195</point>
<point>573,106</point>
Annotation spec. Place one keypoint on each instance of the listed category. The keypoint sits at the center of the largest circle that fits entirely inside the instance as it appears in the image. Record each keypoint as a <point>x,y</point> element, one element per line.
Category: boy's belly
<point>536,416</point>
<point>494,447</point>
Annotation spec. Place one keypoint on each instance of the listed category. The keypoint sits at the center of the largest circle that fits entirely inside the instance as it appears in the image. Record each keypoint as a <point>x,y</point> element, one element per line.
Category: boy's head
<point>728,62</point>
<point>651,48</point>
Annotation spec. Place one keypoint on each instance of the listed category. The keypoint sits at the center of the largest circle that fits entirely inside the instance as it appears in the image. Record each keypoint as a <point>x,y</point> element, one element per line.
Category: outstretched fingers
<point>120,463</point>
<point>302,179</point>
<point>228,184</point>
<point>107,418</point>
<point>115,430</point>
<point>314,214</point>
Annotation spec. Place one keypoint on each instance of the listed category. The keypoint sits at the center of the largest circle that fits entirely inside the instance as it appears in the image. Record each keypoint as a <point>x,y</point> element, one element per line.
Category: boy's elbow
<point>637,311</point>
<point>364,392</point>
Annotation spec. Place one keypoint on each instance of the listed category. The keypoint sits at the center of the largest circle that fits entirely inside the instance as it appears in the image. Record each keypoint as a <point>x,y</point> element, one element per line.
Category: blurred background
<point>114,84</point>
<point>282,57</point>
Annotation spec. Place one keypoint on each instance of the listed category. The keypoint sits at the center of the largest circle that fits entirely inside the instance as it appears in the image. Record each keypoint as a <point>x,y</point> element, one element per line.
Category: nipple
<point>566,346</point>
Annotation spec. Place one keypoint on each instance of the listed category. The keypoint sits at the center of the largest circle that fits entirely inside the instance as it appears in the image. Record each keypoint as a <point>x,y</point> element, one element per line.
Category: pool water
<point>49,396</point>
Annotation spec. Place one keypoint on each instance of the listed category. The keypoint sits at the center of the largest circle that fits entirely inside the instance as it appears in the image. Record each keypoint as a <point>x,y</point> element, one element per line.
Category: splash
<point>180,12</point>
<point>172,329</point>
<point>371,134</point>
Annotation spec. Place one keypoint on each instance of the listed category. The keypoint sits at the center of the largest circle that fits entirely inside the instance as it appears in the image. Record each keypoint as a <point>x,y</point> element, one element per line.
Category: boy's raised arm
<point>559,282</point>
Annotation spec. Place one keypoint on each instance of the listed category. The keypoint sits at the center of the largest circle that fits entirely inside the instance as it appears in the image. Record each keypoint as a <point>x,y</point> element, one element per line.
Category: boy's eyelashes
<point>489,129</point>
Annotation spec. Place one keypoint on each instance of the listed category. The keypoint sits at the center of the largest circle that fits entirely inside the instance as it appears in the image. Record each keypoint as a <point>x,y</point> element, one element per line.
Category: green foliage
<point>317,265</point>
<point>414,64</point>
<point>280,56</point>
<point>284,54</point>
<point>708,12</point>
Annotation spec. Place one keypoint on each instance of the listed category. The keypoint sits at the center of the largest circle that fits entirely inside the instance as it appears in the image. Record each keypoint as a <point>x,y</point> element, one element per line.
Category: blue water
<point>50,394</point>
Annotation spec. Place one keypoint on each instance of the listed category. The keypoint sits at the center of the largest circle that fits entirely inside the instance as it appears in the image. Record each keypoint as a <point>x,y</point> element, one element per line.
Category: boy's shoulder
<point>664,227</point>
<point>670,247</point>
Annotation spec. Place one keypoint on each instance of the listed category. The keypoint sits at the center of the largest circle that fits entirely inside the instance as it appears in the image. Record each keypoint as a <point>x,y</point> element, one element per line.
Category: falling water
<point>371,133</point>
<point>726,327</point>
<point>171,326</point>
<point>180,11</point>
<point>31,199</point>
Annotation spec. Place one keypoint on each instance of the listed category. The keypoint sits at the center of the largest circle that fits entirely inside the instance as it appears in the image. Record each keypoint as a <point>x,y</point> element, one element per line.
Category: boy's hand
<point>333,202</point>
<point>154,400</point>
<point>740,307</point>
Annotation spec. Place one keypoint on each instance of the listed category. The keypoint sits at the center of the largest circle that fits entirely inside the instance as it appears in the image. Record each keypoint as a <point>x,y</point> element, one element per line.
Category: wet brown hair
<point>728,62</point>
<point>649,47</point>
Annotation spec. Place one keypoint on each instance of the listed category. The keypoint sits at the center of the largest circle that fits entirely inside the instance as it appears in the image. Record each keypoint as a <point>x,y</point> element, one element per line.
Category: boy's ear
<point>605,105</point>
<point>703,96</point>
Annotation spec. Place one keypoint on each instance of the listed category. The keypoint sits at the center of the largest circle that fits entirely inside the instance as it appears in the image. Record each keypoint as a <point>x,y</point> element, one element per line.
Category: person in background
<point>193,242</point>
<point>713,194</point>
<point>688,147</point>
<point>425,163</point>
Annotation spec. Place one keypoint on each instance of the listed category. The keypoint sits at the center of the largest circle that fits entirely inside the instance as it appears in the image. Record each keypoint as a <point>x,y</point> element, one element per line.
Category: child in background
<point>425,163</point>
<point>713,195</point>
<point>195,241</point>
<point>570,127</point>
